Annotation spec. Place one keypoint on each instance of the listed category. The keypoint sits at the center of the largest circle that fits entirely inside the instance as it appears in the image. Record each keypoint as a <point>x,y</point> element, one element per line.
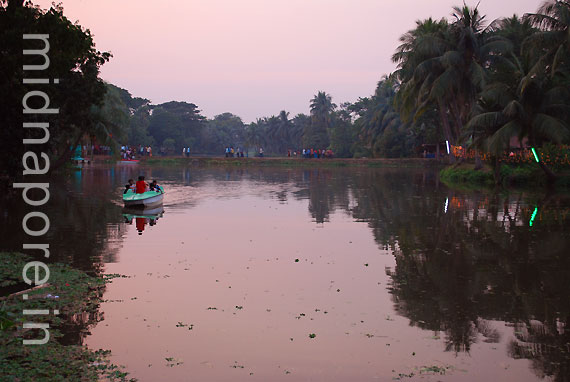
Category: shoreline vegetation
<point>77,296</point>
<point>467,175</point>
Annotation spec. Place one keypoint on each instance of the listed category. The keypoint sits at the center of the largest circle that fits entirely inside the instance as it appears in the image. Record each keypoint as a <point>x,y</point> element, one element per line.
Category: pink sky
<point>256,57</point>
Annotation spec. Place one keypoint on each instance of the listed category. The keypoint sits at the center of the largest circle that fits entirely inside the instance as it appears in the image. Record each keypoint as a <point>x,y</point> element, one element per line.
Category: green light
<point>534,152</point>
<point>532,217</point>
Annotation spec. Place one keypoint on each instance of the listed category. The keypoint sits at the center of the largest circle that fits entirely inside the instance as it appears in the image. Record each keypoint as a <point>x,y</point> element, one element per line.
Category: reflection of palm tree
<point>546,345</point>
<point>480,264</point>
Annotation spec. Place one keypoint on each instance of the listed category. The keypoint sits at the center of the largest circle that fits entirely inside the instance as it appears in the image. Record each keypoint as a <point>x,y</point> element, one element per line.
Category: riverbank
<point>76,296</point>
<point>292,162</point>
<point>528,175</point>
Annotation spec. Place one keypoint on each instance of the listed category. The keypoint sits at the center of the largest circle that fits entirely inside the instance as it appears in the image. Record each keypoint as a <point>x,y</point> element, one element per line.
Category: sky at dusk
<point>254,58</point>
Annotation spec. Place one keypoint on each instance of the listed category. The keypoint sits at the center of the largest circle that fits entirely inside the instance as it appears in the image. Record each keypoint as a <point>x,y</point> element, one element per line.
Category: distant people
<point>183,151</point>
<point>188,152</point>
<point>129,186</point>
<point>261,151</point>
<point>141,185</point>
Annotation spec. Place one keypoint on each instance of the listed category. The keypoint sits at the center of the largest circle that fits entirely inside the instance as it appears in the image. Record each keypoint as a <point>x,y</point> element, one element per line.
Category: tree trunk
<point>446,129</point>
<point>65,155</point>
<point>456,113</point>
<point>497,171</point>
<point>478,162</point>
<point>437,151</point>
<point>550,175</point>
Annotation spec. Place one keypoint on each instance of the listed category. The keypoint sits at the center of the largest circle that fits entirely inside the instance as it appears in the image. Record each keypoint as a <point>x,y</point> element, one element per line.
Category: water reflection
<point>142,217</point>
<point>466,264</point>
<point>485,260</point>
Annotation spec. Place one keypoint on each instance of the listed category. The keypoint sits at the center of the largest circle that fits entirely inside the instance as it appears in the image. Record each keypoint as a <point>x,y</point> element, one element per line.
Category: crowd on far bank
<point>312,153</point>
<point>230,152</point>
<point>134,152</point>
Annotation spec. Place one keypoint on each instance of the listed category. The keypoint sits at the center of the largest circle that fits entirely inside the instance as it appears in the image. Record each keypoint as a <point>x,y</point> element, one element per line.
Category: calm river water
<point>272,274</point>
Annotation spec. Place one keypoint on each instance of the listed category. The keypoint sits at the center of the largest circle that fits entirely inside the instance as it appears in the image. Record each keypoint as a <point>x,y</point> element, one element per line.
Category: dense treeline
<point>461,80</point>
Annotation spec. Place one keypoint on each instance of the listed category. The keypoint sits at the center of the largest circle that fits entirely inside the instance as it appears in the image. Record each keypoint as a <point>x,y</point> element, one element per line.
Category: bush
<point>462,175</point>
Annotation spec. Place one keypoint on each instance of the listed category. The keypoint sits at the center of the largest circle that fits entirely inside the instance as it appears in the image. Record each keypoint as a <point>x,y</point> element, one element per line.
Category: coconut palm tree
<point>535,107</point>
<point>316,134</point>
<point>552,42</point>
<point>451,71</point>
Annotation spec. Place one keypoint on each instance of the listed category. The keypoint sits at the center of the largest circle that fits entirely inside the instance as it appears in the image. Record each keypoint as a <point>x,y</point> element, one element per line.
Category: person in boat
<point>141,185</point>
<point>129,186</point>
<point>155,187</point>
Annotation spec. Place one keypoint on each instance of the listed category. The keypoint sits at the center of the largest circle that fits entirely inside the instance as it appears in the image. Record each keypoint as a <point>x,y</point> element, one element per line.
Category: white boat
<point>145,200</point>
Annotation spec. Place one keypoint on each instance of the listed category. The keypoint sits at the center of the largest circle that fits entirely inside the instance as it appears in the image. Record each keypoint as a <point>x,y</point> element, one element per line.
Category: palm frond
<point>499,141</point>
<point>551,128</point>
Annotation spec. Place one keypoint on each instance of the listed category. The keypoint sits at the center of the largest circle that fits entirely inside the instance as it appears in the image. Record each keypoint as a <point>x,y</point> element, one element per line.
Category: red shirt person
<point>141,185</point>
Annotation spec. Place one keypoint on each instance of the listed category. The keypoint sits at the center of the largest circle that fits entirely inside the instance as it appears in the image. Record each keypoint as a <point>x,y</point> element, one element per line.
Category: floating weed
<point>239,307</point>
<point>366,264</point>
<point>296,260</point>
<point>183,325</point>
<point>312,335</point>
<point>434,369</point>
<point>237,366</point>
<point>403,375</point>
<point>212,308</point>
<point>369,335</point>
<point>171,362</point>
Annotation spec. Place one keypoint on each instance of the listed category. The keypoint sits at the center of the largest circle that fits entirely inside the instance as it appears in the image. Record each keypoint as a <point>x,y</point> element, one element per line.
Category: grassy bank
<point>528,175</point>
<point>291,162</point>
<point>76,295</point>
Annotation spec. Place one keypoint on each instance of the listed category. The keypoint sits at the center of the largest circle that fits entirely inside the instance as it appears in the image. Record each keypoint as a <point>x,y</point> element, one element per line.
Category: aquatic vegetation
<point>75,295</point>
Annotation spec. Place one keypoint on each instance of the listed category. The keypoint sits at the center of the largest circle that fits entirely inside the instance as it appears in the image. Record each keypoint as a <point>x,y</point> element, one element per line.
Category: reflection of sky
<point>235,245</point>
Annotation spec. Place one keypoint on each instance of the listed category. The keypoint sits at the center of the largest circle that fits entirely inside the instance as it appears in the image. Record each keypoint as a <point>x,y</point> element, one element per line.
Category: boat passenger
<point>155,187</point>
<point>141,185</point>
<point>129,186</point>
